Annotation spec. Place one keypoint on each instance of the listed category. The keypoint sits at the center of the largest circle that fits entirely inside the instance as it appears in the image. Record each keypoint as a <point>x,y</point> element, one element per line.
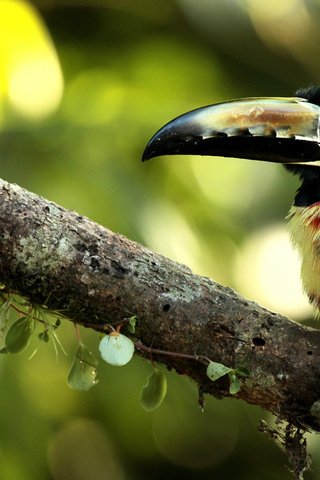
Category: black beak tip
<point>156,147</point>
<point>147,154</point>
<point>152,148</point>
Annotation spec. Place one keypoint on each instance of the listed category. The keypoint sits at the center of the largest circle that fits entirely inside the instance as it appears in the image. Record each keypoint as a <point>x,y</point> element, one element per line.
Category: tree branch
<point>56,257</point>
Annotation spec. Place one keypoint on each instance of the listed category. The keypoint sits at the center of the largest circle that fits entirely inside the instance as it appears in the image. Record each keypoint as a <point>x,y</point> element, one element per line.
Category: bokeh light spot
<point>31,74</point>
<point>268,271</point>
<point>81,450</point>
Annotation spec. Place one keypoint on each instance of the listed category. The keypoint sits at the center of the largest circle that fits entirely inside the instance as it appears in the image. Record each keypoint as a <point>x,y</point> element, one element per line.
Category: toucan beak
<point>282,130</point>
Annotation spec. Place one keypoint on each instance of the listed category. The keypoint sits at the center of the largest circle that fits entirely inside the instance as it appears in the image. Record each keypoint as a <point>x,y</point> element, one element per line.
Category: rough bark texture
<point>55,256</point>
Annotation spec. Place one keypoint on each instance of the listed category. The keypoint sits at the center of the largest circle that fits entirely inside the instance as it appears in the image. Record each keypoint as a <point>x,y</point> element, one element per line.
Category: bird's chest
<point>304,228</point>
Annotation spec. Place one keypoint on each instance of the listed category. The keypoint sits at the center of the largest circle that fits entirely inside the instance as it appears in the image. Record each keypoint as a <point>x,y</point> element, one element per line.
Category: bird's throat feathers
<point>304,228</point>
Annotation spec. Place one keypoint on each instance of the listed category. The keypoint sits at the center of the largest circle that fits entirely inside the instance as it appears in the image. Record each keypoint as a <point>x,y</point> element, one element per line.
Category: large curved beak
<point>282,130</point>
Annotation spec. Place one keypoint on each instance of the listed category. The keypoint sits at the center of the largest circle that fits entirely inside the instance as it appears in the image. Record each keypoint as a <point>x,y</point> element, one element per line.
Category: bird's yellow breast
<point>304,228</point>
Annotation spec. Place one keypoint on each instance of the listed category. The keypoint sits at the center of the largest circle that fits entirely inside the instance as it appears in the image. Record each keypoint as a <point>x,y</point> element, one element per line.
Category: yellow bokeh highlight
<point>286,24</point>
<point>267,270</point>
<point>30,75</point>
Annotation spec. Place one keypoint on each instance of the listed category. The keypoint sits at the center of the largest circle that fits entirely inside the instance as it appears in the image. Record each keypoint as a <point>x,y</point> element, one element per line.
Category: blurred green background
<point>83,86</point>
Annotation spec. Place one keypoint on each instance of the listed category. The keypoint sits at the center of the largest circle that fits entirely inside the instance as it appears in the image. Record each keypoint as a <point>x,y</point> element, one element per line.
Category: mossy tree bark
<point>56,257</point>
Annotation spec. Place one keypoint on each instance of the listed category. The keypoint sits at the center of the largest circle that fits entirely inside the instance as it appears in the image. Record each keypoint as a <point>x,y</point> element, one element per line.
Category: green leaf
<point>154,391</point>
<point>132,324</point>
<point>217,370</point>
<point>44,336</point>
<point>116,349</point>
<point>18,335</point>
<point>234,384</point>
<point>3,350</point>
<point>242,372</point>
<point>83,373</point>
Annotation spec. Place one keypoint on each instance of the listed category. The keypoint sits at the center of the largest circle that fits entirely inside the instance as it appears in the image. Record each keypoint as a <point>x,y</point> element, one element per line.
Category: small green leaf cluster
<point>217,370</point>
<point>18,321</point>
<point>115,348</point>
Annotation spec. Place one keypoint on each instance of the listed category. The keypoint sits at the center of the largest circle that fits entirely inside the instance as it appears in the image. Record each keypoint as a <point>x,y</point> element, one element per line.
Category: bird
<point>283,130</point>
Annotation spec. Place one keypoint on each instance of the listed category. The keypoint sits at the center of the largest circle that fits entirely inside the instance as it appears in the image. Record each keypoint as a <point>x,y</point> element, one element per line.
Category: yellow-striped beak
<point>282,130</point>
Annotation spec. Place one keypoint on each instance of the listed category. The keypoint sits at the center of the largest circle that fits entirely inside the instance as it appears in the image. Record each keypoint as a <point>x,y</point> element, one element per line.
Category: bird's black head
<point>309,191</point>
<point>312,94</point>
<point>281,130</point>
